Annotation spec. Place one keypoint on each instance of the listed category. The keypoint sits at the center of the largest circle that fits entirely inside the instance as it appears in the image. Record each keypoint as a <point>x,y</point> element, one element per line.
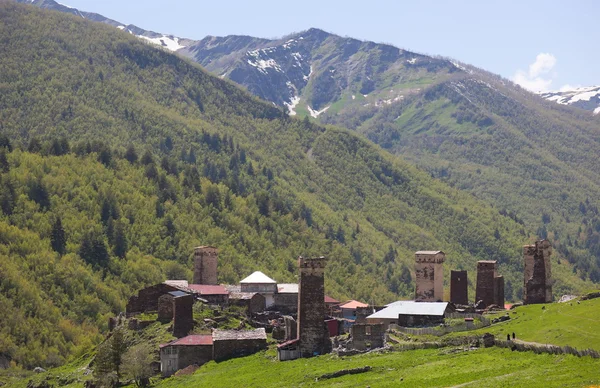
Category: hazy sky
<point>540,44</point>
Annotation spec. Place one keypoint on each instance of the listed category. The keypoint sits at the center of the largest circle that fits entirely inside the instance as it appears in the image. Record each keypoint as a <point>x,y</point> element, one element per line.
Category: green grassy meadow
<point>446,367</point>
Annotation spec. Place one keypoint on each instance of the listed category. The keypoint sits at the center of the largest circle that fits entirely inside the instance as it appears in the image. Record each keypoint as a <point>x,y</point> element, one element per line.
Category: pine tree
<point>58,238</point>
<point>4,166</point>
<point>131,155</point>
<point>120,241</point>
<point>39,194</point>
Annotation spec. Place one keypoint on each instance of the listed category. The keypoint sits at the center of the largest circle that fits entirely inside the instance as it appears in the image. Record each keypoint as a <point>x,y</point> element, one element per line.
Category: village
<point>306,322</point>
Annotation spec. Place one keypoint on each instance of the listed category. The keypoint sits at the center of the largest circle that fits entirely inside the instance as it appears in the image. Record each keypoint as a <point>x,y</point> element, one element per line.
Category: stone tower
<point>459,287</point>
<point>312,332</point>
<point>205,265</point>
<point>538,273</point>
<point>490,285</point>
<point>429,273</point>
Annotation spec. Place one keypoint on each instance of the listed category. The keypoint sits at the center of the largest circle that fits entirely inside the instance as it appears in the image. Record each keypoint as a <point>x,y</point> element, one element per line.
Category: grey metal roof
<point>258,278</point>
<point>177,294</point>
<point>428,252</point>
<point>410,307</point>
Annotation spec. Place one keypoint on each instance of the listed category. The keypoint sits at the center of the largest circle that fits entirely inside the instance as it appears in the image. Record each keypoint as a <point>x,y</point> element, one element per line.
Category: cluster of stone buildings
<point>307,317</point>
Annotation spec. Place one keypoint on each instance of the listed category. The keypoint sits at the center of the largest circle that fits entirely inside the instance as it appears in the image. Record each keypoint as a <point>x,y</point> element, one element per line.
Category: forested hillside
<point>117,158</point>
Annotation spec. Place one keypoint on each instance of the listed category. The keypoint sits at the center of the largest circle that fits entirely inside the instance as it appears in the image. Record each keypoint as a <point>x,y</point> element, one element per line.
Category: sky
<point>541,45</point>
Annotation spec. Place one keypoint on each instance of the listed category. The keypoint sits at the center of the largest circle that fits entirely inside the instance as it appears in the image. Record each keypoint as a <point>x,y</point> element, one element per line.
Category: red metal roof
<point>207,289</point>
<point>352,304</point>
<point>329,299</point>
<point>290,342</point>
<point>191,340</point>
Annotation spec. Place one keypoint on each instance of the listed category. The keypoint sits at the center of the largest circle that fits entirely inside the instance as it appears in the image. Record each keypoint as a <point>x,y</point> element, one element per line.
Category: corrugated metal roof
<point>428,252</point>
<point>410,307</point>
<point>487,261</point>
<point>177,294</point>
<point>352,304</point>
<point>222,335</point>
<point>208,289</point>
<point>329,299</point>
<point>191,340</point>
<point>287,288</point>
<point>259,278</point>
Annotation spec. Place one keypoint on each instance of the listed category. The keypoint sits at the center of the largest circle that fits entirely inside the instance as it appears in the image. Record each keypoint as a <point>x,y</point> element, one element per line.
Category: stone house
<point>286,298</point>
<point>262,284</point>
<point>186,351</point>
<point>236,343</point>
<point>411,314</point>
<point>348,311</point>
<point>252,302</point>
<point>146,299</point>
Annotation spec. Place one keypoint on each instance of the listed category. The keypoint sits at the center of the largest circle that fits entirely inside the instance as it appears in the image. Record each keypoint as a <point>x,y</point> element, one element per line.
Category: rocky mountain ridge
<point>587,98</point>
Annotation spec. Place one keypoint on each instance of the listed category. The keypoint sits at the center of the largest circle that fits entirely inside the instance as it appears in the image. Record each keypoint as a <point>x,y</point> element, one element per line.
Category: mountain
<point>533,159</point>
<point>169,42</point>
<point>116,158</point>
<point>587,98</point>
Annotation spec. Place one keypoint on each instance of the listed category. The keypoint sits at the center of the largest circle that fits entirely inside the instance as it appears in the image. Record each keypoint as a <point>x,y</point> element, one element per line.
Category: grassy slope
<point>561,324</point>
<point>420,368</point>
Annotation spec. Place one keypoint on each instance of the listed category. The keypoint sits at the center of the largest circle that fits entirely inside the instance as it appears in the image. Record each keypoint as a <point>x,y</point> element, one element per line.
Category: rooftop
<point>329,299</point>
<point>223,335</point>
<point>352,304</point>
<point>487,261</point>
<point>191,340</point>
<point>428,252</point>
<point>410,307</point>
<point>177,283</point>
<point>177,294</point>
<point>258,277</point>
<point>287,288</point>
<point>207,289</point>
<point>241,295</point>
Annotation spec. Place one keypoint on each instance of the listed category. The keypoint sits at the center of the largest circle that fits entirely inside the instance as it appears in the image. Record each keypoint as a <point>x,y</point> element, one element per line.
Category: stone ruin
<point>429,273</point>
<point>312,331</point>
<point>205,265</point>
<point>177,306</point>
<point>367,336</point>
<point>459,284</point>
<point>490,286</point>
<point>537,275</point>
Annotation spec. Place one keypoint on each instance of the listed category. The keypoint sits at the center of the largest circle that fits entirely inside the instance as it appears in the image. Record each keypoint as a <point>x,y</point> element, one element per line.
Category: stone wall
<point>499,291</point>
<point>538,273</point>
<point>367,336</point>
<point>419,320</point>
<point>165,308</point>
<point>286,302</point>
<point>173,358</point>
<point>312,331</point>
<point>147,299</point>
<point>183,320</point>
<point>362,313</point>
<point>485,290</point>
<point>459,286</point>
<point>205,265</point>
<point>225,349</point>
<point>429,282</point>
<point>291,328</point>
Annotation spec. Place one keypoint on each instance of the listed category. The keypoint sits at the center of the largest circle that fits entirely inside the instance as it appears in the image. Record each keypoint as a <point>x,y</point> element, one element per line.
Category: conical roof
<point>258,277</point>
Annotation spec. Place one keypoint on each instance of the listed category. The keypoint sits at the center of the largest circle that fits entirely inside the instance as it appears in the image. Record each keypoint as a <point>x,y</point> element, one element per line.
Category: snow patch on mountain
<point>585,97</point>
<point>316,113</point>
<point>167,41</point>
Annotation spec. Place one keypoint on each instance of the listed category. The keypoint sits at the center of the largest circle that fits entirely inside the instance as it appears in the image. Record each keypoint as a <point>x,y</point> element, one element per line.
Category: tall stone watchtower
<point>429,273</point>
<point>538,273</point>
<point>205,265</point>
<point>312,332</point>
<point>459,287</point>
